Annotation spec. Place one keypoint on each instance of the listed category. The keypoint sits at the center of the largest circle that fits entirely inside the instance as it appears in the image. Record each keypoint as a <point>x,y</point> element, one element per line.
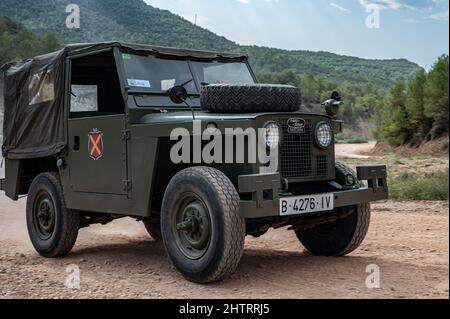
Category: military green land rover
<point>185,141</point>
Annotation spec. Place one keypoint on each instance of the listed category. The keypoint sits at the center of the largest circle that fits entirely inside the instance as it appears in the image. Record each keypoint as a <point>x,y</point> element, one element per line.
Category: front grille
<point>297,156</point>
<point>296,152</point>
<point>322,165</point>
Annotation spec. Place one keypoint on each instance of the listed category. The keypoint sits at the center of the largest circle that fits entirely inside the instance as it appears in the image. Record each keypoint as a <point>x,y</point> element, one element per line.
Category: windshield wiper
<point>187,82</point>
<point>182,84</point>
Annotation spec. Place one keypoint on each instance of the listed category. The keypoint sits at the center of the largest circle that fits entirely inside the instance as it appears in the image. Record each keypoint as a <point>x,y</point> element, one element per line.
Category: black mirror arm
<point>332,103</point>
<point>179,95</point>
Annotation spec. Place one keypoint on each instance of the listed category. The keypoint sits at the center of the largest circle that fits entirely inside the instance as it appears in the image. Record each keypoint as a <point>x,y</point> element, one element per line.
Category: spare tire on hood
<point>234,98</point>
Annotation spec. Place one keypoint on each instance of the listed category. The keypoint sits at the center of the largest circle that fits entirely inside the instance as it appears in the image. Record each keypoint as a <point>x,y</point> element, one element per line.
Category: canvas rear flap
<point>34,113</point>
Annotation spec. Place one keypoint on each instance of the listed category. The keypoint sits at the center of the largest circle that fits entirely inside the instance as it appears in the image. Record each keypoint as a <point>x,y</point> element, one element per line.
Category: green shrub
<point>410,186</point>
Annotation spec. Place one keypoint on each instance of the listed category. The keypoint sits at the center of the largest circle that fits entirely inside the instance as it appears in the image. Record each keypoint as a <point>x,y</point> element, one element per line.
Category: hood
<point>187,116</point>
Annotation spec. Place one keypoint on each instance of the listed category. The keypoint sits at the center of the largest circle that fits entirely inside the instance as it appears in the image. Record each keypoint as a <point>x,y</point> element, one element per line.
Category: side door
<point>97,155</point>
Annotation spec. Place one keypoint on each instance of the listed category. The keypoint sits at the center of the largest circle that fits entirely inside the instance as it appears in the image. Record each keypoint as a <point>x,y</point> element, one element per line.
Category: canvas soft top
<point>35,117</point>
<point>155,50</point>
<point>81,48</point>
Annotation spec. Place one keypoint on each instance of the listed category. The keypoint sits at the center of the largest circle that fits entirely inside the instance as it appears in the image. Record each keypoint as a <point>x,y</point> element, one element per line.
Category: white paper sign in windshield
<point>139,83</point>
<point>167,84</point>
<point>84,98</point>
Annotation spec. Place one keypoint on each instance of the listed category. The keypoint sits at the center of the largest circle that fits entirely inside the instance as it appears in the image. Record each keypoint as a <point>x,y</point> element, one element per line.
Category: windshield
<point>151,74</point>
<point>156,75</point>
<point>222,73</point>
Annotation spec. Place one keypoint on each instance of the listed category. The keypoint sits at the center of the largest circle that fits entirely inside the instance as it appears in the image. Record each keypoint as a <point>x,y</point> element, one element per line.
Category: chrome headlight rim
<point>276,138</point>
<point>328,139</point>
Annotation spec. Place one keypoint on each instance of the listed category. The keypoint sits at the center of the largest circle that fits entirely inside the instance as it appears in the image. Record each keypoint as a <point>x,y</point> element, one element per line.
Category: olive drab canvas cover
<point>33,99</point>
<point>35,115</point>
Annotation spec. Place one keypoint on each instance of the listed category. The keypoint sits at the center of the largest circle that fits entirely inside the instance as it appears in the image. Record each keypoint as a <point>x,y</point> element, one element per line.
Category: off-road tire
<point>343,236</point>
<point>153,229</point>
<point>339,238</point>
<point>226,243</point>
<point>342,171</point>
<point>231,98</point>
<point>67,222</point>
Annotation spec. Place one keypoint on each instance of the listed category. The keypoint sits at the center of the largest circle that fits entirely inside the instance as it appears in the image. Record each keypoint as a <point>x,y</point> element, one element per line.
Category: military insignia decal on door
<point>95,144</point>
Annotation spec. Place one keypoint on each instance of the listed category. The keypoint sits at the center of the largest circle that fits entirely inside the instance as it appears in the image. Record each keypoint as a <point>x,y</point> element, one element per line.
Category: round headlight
<point>272,135</point>
<point>324,135</point>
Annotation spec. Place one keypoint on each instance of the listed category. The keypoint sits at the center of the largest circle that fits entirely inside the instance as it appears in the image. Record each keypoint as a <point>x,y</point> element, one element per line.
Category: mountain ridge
<point>135,21</point>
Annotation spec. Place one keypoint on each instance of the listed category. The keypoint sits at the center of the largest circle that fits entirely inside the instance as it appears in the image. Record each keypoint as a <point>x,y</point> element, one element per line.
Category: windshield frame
<point>188,60</point>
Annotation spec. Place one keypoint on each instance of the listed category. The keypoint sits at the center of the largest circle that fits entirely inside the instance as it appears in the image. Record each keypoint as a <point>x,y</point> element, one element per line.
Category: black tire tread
<point>234,225</point>
<point>345,169</point>
<point>362,227</point>
<point>231,98</point>
<point>233,236</point>
<point>152,229</point>
<point>71,224</point>
<point>363,215</point>
<point>360,232</point>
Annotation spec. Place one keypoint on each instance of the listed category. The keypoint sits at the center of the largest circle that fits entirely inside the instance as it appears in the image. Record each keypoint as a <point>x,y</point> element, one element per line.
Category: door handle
<point>76,143</point>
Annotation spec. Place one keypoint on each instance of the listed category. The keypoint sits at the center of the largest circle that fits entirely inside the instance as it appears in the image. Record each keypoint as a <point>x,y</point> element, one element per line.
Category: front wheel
<point>201,227</point>
<point>340,237</point>
<point>53,229</point>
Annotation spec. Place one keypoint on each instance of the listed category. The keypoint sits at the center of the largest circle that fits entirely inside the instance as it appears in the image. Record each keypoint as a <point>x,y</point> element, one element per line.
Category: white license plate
<point>306,204</point>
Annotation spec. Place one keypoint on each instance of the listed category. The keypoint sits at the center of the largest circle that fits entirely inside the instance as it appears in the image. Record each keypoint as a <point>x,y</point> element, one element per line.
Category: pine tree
<point>436,104</point>
<point>415,99</point>
<point>396,130</point>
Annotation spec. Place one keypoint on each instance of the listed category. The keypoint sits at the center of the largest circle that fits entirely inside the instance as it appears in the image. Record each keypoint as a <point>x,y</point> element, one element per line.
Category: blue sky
<point>414,29</point>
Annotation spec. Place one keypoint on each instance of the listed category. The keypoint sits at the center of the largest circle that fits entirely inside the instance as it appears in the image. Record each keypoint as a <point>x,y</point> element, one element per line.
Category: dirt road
<point>408,241</point>
<point>356,151</point>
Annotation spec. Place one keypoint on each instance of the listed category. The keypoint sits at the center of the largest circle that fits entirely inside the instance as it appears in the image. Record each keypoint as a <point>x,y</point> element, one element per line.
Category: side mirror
<point>332,105</point>
<point>335,96</point>
<point>178,94</point>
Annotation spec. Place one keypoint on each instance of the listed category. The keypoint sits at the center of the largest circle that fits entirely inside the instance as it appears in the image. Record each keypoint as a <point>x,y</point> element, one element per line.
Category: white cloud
<point>443,16</point>
<point>400,4</point>
<point>249,1</point>
<point>340,8</point>
<point>410,4</point>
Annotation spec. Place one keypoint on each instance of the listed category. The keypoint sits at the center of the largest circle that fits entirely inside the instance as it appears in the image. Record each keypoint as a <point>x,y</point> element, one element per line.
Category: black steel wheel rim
<point>44,215</point>
<point>191,226</point>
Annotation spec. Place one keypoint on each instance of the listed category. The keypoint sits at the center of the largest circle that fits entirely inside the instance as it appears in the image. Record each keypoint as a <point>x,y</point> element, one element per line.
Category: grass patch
<point>412,186</point>
<point>342,139</point>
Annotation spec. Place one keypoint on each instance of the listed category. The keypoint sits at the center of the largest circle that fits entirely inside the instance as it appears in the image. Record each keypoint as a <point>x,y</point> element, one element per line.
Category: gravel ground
<point>408,241</point>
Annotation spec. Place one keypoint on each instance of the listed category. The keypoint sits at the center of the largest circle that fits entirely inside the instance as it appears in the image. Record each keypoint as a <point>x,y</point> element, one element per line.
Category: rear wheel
<point>201,227</point>
<point>53,229</point>
<point>153,229</point>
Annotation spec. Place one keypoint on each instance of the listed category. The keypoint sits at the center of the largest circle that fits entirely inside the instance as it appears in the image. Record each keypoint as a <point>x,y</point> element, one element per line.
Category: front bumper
<point>266,198</point>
